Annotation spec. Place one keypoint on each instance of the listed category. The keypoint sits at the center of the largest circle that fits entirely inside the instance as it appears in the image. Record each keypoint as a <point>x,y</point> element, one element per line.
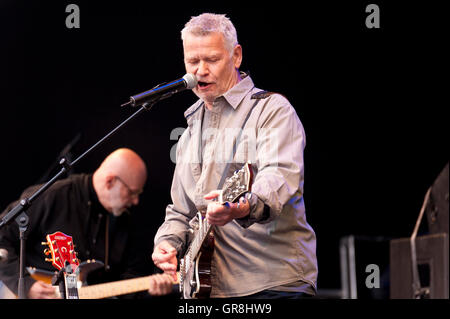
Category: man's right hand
<point>41,290</point>
<point>165,258</point>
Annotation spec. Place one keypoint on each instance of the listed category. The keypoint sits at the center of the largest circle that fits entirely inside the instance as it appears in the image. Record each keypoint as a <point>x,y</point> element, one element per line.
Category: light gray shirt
<point>265,250</point>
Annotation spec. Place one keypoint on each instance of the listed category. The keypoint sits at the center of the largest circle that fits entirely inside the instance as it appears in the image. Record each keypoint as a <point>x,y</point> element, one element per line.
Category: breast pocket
<point>239,147</point>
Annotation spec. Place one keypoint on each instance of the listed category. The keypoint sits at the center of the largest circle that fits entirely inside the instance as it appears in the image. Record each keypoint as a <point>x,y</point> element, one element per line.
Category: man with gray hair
<point>264,247</point>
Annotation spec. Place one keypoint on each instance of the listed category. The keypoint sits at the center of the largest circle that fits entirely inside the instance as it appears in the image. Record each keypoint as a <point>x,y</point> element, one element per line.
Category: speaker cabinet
<point>432,262</point>
<point>437,208</point>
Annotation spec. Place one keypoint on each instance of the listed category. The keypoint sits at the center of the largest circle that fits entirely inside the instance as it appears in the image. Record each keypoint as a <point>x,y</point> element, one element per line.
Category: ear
<point>237,56</point>
<point>109,181</point>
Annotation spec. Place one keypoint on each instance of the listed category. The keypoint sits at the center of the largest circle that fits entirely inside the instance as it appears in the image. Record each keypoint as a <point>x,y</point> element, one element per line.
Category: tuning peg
<point>51,259</point>
<point>47,251</point>
<point>44,243</point>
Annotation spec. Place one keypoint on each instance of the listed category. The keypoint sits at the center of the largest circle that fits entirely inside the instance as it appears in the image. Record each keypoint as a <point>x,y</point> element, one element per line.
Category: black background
<point>370,100</point>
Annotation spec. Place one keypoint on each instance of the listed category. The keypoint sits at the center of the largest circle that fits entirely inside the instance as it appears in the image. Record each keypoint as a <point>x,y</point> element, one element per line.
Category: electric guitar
<point>195,266</point>
<point>63,257</point>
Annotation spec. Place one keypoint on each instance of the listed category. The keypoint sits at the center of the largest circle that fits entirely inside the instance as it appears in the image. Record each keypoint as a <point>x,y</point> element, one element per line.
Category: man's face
<point>122,197</point>
<point>215,68</point>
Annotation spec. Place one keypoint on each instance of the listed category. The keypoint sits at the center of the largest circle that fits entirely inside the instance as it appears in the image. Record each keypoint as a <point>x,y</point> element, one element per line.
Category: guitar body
<point>204,267</point>
<point>196,282</point>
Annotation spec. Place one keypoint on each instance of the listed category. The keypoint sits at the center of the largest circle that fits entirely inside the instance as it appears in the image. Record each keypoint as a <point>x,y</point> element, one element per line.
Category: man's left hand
<point>221,214</point>
<point>160,284</point>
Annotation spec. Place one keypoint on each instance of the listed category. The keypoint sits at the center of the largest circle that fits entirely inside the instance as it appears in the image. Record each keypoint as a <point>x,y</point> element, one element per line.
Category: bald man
<point>94,210</point>
<point>119,180</point>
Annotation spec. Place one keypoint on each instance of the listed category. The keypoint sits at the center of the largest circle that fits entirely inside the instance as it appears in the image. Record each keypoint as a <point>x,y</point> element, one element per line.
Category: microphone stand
<point>18,213</point>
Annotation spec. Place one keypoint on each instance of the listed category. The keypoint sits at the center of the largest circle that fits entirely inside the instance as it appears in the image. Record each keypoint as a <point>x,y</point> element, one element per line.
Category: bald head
<point>120,179</point>
<point>126,164</point>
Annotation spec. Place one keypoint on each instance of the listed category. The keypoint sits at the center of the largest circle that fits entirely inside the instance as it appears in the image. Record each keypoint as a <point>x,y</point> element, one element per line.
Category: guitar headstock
<point>238,184</point>
<point>61,249</point>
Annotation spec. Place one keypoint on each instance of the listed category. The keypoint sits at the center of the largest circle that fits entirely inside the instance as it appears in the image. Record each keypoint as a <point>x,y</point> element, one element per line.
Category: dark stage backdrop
<point>370,100</point>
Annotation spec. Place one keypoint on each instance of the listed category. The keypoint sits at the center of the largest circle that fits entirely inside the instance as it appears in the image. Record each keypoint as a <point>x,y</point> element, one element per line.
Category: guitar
<point>195,266</point>
<point>64,258</point>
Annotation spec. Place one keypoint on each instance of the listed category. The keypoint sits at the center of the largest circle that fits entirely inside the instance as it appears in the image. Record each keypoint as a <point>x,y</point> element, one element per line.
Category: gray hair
<point>206,23</point>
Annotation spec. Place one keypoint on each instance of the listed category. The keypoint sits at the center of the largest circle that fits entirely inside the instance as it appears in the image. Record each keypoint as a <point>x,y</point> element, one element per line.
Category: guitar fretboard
<point>204,230</point>
<point>71,286</point>
<point>112,289</point>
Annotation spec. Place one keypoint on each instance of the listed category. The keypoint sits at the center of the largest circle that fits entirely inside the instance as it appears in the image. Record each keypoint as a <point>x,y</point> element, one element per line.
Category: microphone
<point>163,91</point>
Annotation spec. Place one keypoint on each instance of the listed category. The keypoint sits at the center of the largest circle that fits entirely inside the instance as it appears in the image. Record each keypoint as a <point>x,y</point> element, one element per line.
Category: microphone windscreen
<point>191,80</point>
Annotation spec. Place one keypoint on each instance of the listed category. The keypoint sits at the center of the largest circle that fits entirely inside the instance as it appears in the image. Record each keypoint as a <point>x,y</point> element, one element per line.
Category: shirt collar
<point>236,94</point>
<point>233,96</point>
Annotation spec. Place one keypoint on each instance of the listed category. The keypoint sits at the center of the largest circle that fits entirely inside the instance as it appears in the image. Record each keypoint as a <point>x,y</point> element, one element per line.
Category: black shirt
<point>72,207</point>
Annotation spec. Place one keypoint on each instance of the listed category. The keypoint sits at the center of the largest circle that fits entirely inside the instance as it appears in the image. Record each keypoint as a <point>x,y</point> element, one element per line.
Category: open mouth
<point>203,85</point>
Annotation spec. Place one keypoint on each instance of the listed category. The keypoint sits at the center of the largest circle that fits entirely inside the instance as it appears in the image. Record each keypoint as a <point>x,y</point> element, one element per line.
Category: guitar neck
<point>203,231</point>
<point>117,288</point>
<point>112,289</point>
<point>99,291</point>
<point>236,185</point>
